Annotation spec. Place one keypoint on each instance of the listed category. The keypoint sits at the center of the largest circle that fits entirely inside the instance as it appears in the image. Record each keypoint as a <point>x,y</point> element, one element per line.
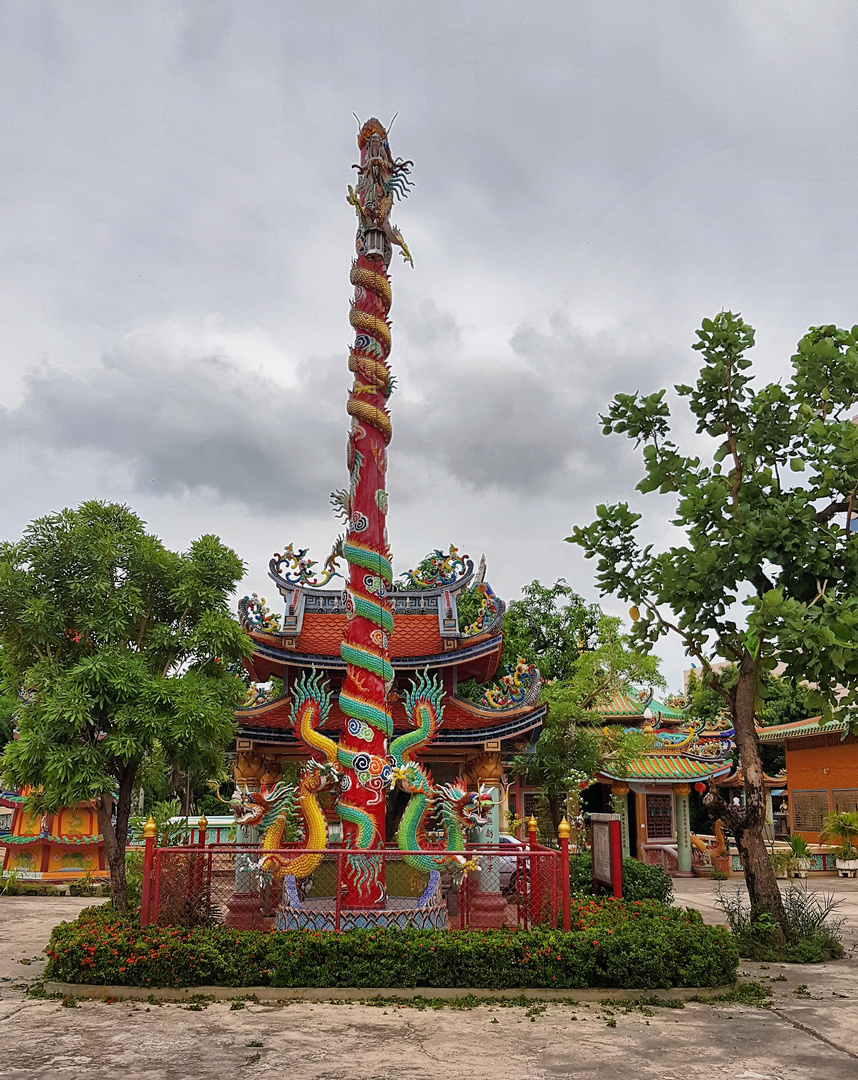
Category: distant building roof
<point>801,728</point>
<point>657,767</point>
<point>631,704</point>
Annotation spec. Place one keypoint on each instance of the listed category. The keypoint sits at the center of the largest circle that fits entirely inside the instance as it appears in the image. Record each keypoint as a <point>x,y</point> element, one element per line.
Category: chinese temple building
<point>472,740</point>
<point>652,794</point>
<point>52,847</point>
<point>821,776</point>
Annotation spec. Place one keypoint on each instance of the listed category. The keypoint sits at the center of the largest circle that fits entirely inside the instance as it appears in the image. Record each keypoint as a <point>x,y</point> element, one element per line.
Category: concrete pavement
<point>809,1034</point>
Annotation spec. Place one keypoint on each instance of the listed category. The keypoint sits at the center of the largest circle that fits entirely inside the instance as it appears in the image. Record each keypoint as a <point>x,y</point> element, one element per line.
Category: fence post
<point>150,832</point>
<point>563,831</point>
<point>536,868</point>
<point>202,826</point>
<point>338,907</point>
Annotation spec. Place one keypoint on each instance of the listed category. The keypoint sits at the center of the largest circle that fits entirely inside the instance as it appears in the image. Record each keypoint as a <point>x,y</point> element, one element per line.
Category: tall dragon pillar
<point>364,696</point>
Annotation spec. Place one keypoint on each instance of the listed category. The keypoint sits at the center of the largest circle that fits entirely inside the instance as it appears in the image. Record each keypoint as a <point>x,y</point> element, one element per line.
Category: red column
<point>536,871</point>
<point>366,648</point>
<point>150,831</point>
<point>565,885</point>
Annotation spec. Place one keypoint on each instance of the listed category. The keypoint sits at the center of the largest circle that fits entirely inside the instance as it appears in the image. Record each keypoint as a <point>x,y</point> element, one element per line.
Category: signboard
<point>606,848</point>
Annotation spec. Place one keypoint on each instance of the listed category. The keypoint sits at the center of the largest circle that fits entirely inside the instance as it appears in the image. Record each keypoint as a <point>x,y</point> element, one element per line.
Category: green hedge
<point>612,944</point>
<point>640,881</point>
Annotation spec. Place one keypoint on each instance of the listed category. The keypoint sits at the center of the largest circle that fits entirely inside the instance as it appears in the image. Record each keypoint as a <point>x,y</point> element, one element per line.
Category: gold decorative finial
<point>150,829</point>
<point>202,824</point>
<point>563,830</point>
<point>532,824</point>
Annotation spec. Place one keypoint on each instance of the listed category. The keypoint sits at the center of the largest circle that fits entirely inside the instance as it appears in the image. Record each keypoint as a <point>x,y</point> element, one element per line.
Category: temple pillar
<point>488,906</point>
<point>620,798</point>
<point>683,827</point>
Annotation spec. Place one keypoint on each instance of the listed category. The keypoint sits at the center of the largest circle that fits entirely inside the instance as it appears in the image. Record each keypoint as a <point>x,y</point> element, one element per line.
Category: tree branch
<point>691,647</point>
<point>840,507</point>
<point>761,581</point>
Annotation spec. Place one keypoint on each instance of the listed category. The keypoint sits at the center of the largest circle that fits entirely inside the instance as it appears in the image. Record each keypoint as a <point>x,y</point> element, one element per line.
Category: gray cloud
<point>590,183</point>
<point>526,424</point>
<point>184,420</point>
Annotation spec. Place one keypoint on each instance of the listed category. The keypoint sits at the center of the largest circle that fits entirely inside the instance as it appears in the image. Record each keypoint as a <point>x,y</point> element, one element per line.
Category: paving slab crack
<point>811,1031</point>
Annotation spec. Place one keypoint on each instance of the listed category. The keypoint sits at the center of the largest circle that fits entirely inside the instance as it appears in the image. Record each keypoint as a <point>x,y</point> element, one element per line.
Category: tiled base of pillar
<point>487,911</point>
<point>246,911</point>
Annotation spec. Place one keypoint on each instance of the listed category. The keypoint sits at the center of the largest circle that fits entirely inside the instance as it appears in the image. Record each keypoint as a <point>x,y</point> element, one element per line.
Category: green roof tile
<point>801,728</point>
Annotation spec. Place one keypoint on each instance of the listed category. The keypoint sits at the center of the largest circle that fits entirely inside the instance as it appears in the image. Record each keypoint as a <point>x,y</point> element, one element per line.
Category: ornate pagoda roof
<point>663,768</point>
<point>698,751</point>
<point>426,635</point>
<point>50,838</point>
<point>465,724</point>
<point>631,704</point>
<point>412,647</point>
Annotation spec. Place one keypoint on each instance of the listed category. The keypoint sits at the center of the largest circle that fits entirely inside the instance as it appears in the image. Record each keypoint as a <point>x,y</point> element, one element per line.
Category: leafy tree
<point>779,701</point>
<point>768,569</point>
<point>119,644</point>
<point>8,700</point>
<point>551,626</point>
<point>573,746</point>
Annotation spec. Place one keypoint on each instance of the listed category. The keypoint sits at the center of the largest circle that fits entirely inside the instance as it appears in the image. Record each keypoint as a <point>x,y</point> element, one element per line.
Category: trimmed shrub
<point>640,881</point>
<point>613,944</point>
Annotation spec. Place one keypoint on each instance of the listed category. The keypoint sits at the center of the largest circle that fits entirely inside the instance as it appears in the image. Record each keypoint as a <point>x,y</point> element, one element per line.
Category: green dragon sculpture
<point>446,810</point>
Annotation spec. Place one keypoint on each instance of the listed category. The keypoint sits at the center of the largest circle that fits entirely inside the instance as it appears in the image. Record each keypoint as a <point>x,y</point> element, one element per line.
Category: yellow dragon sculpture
<point>273,808</point>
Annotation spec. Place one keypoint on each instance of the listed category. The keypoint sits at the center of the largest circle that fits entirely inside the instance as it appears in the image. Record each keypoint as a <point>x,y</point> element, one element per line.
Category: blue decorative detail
<point>434,880</point>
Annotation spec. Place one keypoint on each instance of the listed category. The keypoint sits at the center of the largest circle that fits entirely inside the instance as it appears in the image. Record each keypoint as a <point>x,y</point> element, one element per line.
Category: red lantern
<point>700,787</point>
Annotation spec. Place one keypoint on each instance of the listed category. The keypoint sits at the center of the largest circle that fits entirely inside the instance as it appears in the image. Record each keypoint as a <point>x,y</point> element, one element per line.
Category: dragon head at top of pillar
<point>381,178</point>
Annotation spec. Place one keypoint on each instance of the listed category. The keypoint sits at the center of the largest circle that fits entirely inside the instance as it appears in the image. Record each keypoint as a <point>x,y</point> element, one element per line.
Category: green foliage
<point>765,567</point>
<point>799,846</point>
<point>551,626</point>
<point>573,746</point>
<point>842,826</point>
<point>644,945</point>
<point>8,699</point>
<point>640,881</point>
<point>754,536</point>
<point>809,934</point>
<point>118,644</point>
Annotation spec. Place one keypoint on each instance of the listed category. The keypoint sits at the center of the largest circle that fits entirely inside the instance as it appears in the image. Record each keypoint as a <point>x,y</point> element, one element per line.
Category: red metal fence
<point>246,887</point>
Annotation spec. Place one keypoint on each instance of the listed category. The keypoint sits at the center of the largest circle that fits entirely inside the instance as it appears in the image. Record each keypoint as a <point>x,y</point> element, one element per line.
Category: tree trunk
<point>747,823</point>
<point>554,813</point>
<point>116,836</point>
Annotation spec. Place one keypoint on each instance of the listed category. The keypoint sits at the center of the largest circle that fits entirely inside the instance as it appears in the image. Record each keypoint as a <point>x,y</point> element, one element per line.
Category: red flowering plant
<point>612,944</point>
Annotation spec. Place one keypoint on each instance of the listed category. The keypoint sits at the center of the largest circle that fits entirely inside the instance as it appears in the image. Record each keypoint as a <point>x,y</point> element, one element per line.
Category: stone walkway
<point>809,1034</point>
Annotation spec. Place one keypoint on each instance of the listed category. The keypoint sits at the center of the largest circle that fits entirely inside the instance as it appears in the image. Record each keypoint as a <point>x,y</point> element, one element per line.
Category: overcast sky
<point>591,180</point>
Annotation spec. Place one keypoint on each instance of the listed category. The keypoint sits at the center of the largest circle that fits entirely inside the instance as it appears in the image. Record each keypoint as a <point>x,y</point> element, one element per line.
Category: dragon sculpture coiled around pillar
<point>447,810</point>
<point>274,808</point>
<point>362,753</point>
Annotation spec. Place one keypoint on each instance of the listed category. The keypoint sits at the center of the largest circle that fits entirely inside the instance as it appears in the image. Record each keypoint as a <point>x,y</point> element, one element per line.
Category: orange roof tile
<point>655,767</point>
<point>413,635</point>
